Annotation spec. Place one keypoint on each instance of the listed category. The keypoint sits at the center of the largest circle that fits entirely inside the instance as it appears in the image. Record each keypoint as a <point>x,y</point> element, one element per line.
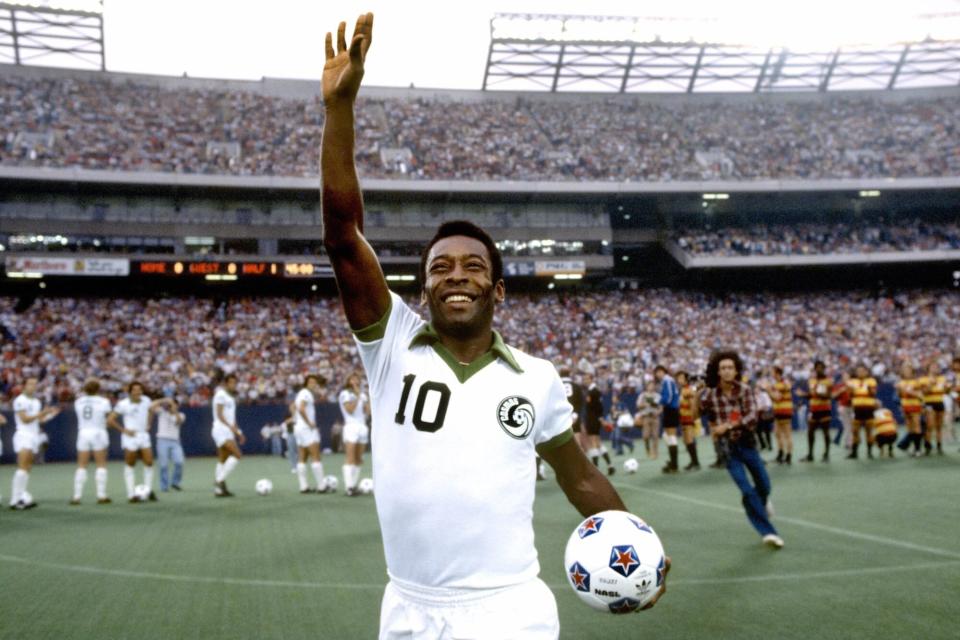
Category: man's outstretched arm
<point>363,289</point>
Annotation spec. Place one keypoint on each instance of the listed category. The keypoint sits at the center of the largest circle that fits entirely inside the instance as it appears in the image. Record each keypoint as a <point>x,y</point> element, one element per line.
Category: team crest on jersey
<point>516,416</point>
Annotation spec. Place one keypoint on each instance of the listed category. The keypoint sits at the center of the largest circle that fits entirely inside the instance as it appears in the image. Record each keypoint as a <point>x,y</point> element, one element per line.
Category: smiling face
<point>459,287</point>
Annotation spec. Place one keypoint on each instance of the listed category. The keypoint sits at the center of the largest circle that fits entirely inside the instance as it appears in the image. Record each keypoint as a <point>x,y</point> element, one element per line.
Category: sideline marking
<point>954,555</point>
<point>253,582</point>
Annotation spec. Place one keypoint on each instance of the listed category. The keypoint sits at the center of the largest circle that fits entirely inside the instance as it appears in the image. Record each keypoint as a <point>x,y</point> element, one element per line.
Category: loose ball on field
<point>264,486</point>
<point>615,562</point>
<point>332,482</point>
<point>366,486</point>
<point>630,465</point>
<point>141,492</point>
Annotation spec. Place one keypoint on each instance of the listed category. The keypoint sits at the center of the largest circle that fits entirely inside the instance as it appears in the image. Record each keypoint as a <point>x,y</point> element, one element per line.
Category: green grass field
<point>871,552</point>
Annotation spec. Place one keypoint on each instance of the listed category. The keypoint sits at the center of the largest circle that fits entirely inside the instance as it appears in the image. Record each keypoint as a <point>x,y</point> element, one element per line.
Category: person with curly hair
<point>732,414</point>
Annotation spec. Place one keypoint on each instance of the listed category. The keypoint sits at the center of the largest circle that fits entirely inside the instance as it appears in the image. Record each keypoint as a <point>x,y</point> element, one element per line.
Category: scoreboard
<point>226,270</point>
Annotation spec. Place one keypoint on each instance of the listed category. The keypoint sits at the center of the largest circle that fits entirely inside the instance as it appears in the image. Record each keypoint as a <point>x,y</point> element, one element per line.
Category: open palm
<point>343,69</point>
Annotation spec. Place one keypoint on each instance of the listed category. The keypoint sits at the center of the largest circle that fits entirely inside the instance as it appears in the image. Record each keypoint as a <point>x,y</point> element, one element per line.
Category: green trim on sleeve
<point>556,441</point>
<point>377,330</point>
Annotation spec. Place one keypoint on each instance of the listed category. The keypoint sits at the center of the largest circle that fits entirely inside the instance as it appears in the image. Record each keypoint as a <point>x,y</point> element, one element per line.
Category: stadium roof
<point>542,52</point>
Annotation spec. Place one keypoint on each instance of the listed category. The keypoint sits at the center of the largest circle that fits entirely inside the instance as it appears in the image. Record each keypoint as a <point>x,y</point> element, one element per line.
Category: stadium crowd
<point>107,123</point>
<point>810,239</point>
<point>173,345</point>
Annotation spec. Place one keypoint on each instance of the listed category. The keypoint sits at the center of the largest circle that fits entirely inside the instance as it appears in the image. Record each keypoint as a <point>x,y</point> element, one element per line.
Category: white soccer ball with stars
<point>332,482</point>
<point>365,486</point>
<point>630,465</point>
<point>264,486</point>
<point>141,492</point>
<point>615,562</point>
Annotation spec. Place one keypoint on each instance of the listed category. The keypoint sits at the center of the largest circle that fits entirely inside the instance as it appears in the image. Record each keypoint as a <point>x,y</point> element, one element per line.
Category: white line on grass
<point>251,582</point>
<point>903,544</point>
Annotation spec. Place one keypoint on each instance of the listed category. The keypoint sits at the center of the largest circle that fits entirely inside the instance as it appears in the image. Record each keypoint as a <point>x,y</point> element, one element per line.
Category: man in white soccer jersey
<point>307,435</point>
<point>169,449</point>
<point>458,416</point>
<point>354,407</point>
<point>28,414</point>
<point>92,410</point>
<point>226,434</point>
<point>136,410</point>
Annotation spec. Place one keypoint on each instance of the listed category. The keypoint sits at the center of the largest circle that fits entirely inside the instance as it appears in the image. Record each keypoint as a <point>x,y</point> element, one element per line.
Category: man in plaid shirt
<point>732,412</point>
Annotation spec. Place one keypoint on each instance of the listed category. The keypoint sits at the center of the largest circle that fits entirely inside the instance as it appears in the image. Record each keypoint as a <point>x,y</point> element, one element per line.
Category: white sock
<point>218,474</point>
<point>19,486</point>
<point>101,479</point>
<point>79,479</point>
<point>317,468</point>
<point>354,476</point>
<point>302,475</point>
<point>346,476</point>
<point>148,476</point>
<point>229,466</point>
<point>128,479</point>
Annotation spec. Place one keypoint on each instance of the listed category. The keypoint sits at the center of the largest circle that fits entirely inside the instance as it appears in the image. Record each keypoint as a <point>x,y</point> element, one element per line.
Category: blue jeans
<point>741,460</point>
<point>169,451</point>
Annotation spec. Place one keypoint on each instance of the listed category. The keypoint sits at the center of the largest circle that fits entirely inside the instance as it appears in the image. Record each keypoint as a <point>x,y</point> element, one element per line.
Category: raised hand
<point>343,70</point>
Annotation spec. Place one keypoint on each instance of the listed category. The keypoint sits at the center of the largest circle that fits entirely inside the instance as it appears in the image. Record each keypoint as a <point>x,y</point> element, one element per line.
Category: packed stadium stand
<point>141,123</point>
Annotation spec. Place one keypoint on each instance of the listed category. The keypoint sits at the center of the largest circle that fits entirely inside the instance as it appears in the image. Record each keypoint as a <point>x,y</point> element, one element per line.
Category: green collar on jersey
<point>428,335</point>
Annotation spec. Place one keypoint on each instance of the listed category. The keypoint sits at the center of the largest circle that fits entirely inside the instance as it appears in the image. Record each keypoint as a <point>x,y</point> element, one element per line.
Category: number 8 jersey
<point>453,453</point>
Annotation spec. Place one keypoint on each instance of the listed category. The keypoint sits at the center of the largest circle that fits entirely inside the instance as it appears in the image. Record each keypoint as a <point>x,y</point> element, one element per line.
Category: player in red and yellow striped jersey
<point>911,402</point>
<point>781,391</point>
<point>689,414</point>
<point>819,391</point>
<point>884,430</point>
<point>935,387</point>
<point>863,389</point>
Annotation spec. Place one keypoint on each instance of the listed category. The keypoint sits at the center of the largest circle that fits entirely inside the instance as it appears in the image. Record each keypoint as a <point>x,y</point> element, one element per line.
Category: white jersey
<point>30,406</point>
<point>92,412</point>
<point>456,444</point>
<point>223,399</point>
<point>304,395</point>
<point>134,414</point>
<point>357,415</point>
<point>168,424</point>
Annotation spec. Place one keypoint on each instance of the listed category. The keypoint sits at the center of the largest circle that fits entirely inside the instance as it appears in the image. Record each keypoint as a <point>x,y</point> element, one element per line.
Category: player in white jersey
<point>354,407</point>
<point>169,449</point>
<point>28,414</point>
<point>92,411</point>
<point>307,435</point>
<point>226,434</point>
<point>458,417</point>
<point>136,410</point>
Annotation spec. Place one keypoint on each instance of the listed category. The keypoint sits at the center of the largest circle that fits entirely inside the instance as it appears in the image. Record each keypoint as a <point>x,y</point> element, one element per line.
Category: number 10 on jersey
<point>430,394</point>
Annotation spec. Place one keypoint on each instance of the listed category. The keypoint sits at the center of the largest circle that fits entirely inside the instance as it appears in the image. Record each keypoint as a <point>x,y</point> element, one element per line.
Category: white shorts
<point>355,432</point>
<point>140,440</point>
<point>92,440</point>
<point>306,437</point>
<point>526,611</point>
<point>221,435</point>
<point>26,441</point>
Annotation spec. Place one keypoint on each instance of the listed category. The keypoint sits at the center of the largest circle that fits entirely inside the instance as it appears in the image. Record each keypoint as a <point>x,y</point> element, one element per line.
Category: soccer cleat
<point>220,490</point>
<point>669,469</point>
<point>104,500</point>
<point>773,541</point>
<point>807,458</point>
<point>134,500</point>
<point>611,470</point>
<point>176,487</point>
<point>351,493</point>
<point>307,491</point>
<point>74,502</point>
<point>826,457</point>
<point>152,497</point>
<point>693,466</point>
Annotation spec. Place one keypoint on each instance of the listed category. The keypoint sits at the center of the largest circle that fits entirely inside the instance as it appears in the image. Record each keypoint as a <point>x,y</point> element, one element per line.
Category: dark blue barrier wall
<point>194,434</point>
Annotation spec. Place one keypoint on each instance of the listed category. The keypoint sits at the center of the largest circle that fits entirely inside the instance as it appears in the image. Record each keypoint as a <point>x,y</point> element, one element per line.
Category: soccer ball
<point>264,486</point>
<point>630,465</point>
<point>366,486</point>
<point>615,562</point>
<point>141,492</point>
<point>332,482</point>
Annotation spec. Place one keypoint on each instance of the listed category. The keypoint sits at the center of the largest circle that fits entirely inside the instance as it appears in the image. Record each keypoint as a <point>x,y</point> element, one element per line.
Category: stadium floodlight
<point>406,277</point>
<point>716,196</point>
<point>216,277</point>
<point>870,193</point>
